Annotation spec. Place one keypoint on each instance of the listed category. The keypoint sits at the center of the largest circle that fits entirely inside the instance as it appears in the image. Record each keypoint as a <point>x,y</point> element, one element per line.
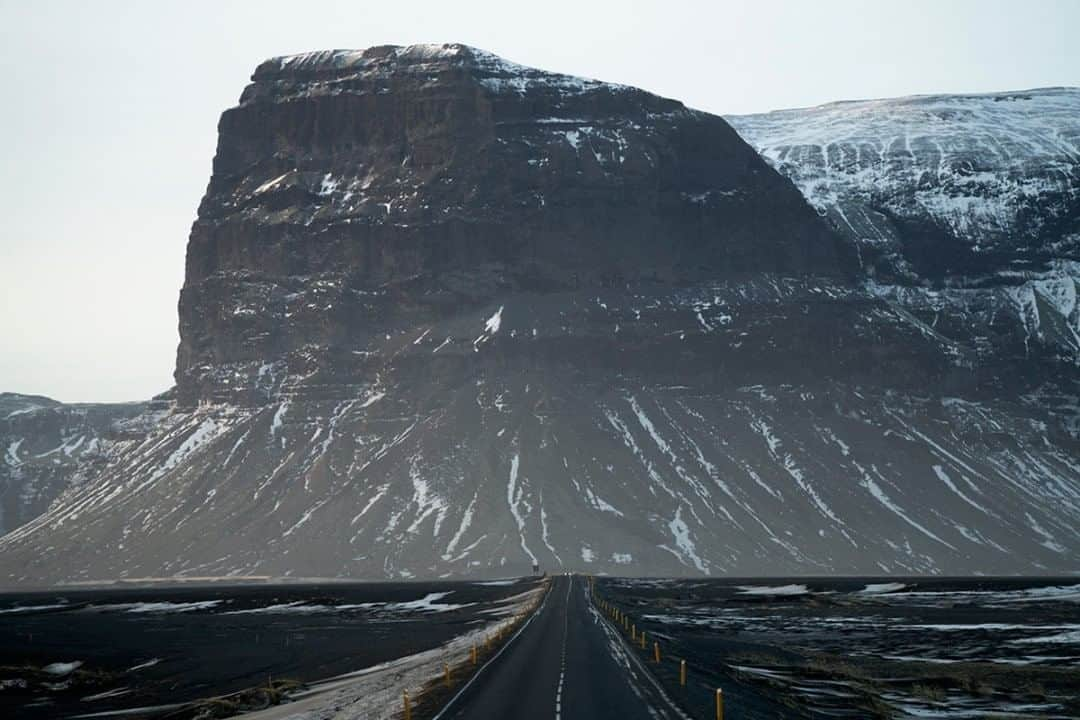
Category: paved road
<point>567,664</point>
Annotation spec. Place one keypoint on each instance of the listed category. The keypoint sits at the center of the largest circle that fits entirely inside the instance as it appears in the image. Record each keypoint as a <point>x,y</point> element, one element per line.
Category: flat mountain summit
<point>356,191</point>
<point>447,315</point>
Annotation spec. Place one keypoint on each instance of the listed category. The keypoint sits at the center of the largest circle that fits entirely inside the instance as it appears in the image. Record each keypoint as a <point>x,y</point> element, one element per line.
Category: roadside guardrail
<point>628,626</point>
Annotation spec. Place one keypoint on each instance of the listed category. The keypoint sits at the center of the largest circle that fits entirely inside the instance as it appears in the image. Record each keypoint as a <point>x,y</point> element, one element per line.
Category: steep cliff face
<point>355,193</point>
<point>448,315</point>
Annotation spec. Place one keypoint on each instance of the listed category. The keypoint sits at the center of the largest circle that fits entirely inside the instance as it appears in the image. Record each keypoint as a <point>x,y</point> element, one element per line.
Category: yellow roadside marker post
<point>446,671</point>
<point>656,652</point>
<point>682,673</point>
<point>642,639</point>
<point>633,632</point>
<point>719,704</point>
<point>408,705</point>
<point>474,654</point>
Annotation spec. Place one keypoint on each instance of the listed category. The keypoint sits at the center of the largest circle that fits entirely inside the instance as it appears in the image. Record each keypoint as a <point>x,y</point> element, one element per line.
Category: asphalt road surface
<point>567,663</point>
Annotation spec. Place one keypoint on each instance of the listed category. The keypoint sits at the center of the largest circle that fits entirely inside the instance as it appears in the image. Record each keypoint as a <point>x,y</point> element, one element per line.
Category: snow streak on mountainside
<point>444,314</point>
<point>938,185</point>
<point>976,195</point>
<point>48,447</point>
<point>502,460</point>
<point>681,433</point>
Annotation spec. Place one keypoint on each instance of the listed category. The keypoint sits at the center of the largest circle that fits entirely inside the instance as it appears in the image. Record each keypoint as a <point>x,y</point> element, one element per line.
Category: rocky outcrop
<point>356,193</point>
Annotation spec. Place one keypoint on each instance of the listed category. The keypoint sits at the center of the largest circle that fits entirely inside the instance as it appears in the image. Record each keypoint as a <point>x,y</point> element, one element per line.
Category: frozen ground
<point>940,648</point>
<point>163,650</point>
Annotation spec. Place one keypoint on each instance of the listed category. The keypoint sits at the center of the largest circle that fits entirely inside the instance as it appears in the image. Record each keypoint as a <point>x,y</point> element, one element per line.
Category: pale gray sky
<point>110,109</point>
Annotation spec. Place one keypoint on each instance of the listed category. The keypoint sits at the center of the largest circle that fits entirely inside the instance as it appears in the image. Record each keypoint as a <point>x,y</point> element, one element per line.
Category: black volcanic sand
<point>202,652</point>
<point>937,648</point>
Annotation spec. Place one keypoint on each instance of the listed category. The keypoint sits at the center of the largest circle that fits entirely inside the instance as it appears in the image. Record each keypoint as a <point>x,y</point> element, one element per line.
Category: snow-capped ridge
<point>937,184</point>
<point>997,96</point>
<point>495,72</point>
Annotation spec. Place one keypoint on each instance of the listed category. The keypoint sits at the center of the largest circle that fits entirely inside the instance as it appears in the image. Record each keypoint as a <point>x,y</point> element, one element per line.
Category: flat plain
<point>866,647</point>
<point>154,652</point>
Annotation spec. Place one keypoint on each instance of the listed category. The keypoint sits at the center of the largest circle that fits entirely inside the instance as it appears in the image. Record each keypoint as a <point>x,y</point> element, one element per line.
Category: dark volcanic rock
<point>357,192</point>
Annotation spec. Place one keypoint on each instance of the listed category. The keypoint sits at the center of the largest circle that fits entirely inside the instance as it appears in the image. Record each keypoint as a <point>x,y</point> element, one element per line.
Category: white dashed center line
<point>562,668</point>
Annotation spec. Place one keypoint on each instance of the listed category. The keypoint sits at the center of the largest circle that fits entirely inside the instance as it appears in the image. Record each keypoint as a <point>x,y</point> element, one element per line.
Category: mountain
<point>49,447</point>
<point>963,209</point>
<point>357,193</point>
<point>448,315</point>
<point>939,187</point>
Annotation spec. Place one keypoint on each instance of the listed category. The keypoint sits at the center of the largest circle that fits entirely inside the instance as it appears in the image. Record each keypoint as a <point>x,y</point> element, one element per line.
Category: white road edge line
<point>632,655</point>
<point>450,703</point>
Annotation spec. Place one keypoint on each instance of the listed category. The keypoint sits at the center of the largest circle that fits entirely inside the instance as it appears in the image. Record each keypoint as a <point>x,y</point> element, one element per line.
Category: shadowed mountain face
<point>444,314</point>
<point>357,194</point>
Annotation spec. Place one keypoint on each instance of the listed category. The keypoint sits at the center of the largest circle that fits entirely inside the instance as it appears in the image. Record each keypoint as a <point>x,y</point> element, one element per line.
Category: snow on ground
<point>990,598</point>
<point>776,590</point>
<point>882,588</point>
<point>30,608</point>
<point>62,668</point>
<point>374,693</point>
<point>283,608</point>
<point>160,607</point>
<point>1069,637</point>
<point>428,603</point>
<point>142,666</point>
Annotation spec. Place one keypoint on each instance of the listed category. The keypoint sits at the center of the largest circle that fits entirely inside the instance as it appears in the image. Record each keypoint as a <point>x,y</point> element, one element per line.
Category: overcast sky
<point>109,116</point>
